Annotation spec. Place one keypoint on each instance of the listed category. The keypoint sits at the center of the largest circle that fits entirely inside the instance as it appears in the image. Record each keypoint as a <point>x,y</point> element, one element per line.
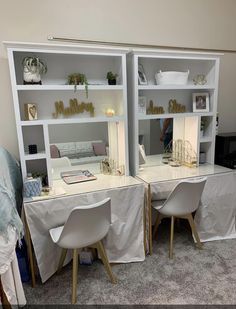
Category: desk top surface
<point>103,182</point>
<point>160,173</point>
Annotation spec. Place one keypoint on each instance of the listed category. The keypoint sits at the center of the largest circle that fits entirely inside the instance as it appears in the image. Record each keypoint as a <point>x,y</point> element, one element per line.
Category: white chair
<point>181,203</point>
<point>85,227</point>
<point>60,162</point>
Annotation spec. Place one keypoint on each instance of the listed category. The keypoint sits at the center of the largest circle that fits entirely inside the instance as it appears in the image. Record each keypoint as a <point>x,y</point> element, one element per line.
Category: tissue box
<point>32,187</point>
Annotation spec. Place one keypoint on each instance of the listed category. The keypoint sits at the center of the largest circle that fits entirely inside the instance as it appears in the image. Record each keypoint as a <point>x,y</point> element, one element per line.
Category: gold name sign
<point>74,108</point>
<point>154,109</point>
<point>175,107</point>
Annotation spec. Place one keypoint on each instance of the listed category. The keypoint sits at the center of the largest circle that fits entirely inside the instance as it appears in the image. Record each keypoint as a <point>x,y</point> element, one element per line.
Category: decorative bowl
<point>172,78</point>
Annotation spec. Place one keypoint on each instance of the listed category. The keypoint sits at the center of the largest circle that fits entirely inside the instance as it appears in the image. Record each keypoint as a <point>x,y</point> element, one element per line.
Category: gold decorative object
<point>30,111</point>
<point>154,109</point>
<point>111,167</point>
<point>110,112</point>
<point>74,108</point>
<point>200,79</point>
<point>175,107</point>
<point>183,154</point>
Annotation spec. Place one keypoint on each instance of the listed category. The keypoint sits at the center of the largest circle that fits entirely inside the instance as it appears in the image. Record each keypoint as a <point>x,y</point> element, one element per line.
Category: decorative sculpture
<point>183,153</point>
<point>111,167</point>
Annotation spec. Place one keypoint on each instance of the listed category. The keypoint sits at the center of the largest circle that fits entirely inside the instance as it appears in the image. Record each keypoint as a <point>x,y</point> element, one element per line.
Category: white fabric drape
<point>124,242</point>
<point>9,269</point>
<point>215,216</point>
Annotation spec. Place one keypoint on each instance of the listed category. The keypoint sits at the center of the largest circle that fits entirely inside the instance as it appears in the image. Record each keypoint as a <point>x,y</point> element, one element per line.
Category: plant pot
<point>201,133</point>
<point>31,77</point>
<point>111,81</point>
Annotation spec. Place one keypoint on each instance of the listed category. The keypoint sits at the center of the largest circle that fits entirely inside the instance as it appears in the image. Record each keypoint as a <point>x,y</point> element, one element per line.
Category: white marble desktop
<point>165,172</point>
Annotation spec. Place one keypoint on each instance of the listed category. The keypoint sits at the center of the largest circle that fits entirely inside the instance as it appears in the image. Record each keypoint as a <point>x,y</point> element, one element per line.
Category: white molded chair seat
<point>60,162</point>
<point>181,203</point>
<point>85,226</point>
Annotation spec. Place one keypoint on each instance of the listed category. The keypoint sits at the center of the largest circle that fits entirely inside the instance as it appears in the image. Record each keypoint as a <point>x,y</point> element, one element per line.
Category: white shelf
<point>69,87</point>
<point>173,115</point>
<point>176,87</point>
<point>94,63</point>
<point>35,156</point>
<point>206,139</point>
<point>73,120</point>
<point>32,123</point>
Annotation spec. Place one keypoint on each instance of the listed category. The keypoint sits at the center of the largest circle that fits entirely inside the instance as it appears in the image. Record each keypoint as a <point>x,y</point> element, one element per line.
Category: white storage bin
<point>171,78</point>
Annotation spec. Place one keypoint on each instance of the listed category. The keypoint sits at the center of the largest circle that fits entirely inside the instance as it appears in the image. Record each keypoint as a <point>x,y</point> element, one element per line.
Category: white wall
<point>186,23</point>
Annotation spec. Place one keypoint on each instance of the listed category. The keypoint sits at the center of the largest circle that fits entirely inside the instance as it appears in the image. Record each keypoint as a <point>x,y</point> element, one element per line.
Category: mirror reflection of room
<point>155,138</point>
<point>80,146</point>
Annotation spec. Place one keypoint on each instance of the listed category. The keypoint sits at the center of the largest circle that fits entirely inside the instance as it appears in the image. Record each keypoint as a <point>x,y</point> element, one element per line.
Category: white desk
<point>215,217</point>
<point>124,242</point>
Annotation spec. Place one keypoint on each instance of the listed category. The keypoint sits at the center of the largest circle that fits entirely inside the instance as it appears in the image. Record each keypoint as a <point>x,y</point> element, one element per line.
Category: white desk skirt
<point>124,242</point>
<point>215,217</point>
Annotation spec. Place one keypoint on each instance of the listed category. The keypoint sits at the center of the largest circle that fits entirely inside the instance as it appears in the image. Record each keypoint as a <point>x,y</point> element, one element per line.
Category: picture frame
<point>142,105</point>
<point>141,76</point>
<point>201,102</point>
<point>31,112</point>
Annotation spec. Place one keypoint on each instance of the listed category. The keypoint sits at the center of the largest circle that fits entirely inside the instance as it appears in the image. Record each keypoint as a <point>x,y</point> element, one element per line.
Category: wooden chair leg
<point>194,230</point>
<point>105,261</point>
<point>62,259</point>
<point>74,276</point>
<point>29,251</point>
<point>157,223</point>
<point>171,237</point>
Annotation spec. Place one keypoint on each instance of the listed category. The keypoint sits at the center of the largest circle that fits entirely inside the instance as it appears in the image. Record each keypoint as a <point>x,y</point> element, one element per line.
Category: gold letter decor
<point>74,108</point>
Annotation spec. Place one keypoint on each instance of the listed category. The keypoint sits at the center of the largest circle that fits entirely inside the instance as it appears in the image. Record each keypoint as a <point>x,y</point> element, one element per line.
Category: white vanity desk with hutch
<point>215,218</point>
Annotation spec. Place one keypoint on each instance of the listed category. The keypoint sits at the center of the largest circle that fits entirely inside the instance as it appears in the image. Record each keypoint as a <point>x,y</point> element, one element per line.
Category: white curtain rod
<point>52,38</point>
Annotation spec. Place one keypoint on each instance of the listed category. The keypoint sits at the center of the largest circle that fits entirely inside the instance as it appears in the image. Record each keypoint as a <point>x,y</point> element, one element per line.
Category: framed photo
<point>141,75</point>
<point>200,102</point>
<point>142,105</point>
<point>142,78</point>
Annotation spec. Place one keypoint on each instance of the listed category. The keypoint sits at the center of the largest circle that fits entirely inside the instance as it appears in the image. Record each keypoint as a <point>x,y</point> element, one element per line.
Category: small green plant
<point>34,65</point>
<point>111,76</point>
<point>78,79</point>
<point>203,125</point>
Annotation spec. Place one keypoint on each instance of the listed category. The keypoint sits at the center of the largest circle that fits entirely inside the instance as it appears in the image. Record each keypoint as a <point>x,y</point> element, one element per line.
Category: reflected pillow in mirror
<point>99,149</point>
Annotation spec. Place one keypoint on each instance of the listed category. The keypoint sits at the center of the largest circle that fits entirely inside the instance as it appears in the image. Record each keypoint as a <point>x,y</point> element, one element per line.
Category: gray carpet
<point>194,276</point>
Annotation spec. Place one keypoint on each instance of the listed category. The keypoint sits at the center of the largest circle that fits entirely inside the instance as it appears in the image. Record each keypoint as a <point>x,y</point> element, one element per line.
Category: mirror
<point>79,146</point>
<point>156,137</point>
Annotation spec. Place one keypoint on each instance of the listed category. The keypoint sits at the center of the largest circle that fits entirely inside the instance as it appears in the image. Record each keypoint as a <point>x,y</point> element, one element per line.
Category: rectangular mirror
<point>155,136</point>
<point>80,146</point>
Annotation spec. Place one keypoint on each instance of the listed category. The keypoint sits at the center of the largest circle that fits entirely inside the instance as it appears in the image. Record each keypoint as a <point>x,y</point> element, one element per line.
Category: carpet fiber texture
<point>194,276</point>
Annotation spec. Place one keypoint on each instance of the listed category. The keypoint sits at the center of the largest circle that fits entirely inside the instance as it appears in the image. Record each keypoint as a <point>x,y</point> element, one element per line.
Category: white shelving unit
<point>185,125</point>
<point>61,61</point>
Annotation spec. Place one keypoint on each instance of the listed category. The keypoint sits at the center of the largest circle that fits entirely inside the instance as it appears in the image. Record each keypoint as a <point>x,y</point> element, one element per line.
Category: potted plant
<point>33,68</point>
<point>78,79</point>
<point>111,77</point>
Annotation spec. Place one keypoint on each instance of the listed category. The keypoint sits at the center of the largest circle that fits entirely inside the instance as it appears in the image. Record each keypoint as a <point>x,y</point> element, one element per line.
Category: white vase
<point>201,133</point>
<point>32,76</point>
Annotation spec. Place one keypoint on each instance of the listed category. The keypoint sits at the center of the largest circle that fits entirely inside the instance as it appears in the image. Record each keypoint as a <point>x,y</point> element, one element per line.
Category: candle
<point>110,112</point>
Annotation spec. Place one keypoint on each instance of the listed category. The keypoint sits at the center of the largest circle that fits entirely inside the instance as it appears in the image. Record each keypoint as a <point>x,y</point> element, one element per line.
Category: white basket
<point>171,78</point>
